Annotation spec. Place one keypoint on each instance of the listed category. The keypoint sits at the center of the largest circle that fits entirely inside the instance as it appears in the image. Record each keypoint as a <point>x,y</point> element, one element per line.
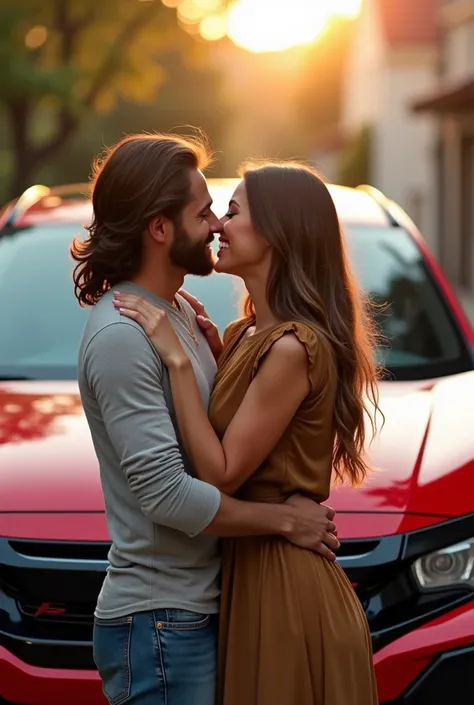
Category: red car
<point>407,536</point>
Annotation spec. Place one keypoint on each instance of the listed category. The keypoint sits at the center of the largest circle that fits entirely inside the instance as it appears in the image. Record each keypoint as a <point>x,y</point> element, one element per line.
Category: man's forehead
<point>199,190</point>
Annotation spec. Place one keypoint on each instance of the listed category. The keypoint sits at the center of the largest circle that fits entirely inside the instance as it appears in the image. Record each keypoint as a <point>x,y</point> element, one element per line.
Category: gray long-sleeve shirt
<point>156,510</point>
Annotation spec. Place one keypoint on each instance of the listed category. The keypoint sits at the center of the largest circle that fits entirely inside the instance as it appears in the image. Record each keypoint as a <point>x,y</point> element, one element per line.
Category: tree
<point>176,108</point>
<point>64,59</point>
<point>355,159</point>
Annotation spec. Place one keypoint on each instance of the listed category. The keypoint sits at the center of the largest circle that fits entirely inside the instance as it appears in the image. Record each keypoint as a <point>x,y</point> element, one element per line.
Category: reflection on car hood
<point>424,455</point>
<point>423,458</point>
<point>47,461</point>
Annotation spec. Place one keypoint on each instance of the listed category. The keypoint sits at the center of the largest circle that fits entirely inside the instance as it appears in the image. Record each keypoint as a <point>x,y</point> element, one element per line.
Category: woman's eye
<point>229,215</point>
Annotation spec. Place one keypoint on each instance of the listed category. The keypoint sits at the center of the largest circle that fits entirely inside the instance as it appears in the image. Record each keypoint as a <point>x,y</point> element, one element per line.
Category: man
<point>155,621</point>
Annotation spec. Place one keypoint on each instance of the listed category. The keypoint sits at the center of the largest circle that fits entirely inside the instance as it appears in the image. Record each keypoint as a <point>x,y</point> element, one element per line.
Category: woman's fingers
<point>134,315</point>
<point>134,302</point>
<point>154,320</point>
<point>205,324</point>
<point>137,308</point>
<point>198,307</point>
<point>211,332</point>
<point>148,324</point>
<point>209,328</point>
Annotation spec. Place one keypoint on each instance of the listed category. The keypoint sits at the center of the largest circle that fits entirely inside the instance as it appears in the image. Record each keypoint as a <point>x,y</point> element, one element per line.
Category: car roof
<point>353,205</point>
<point>70,204</point>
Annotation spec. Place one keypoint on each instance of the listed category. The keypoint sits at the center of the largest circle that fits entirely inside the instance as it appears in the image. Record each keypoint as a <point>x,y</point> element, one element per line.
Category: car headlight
<point>449,567</point>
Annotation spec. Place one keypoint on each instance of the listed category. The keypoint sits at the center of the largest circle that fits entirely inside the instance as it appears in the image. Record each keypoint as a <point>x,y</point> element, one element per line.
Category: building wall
<point>406,151</point>
<point>457,175</point>
<point>459,52</point>
<point>363,80</point>
<point>379,86</point>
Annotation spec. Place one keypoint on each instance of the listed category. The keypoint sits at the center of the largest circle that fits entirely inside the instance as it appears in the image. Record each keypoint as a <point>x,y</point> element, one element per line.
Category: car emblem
<point>51,609</point>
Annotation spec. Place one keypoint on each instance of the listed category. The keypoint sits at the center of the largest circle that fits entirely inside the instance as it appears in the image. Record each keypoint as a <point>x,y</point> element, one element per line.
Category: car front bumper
<point>32,685</point>
<point>423,643</point>
<point>433,664</point>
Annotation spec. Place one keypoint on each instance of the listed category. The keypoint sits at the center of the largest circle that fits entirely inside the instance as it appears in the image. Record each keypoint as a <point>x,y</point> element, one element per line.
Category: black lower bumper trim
<point>448,679</point>
<point>50,654</point>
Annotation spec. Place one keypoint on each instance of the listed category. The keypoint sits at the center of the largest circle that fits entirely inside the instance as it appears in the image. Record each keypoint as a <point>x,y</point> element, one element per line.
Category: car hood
<point>423,458</point>
<point>47,460</point>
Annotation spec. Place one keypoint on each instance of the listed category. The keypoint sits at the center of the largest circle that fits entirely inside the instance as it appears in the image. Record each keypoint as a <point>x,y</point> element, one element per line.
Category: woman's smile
<point>223,245</point>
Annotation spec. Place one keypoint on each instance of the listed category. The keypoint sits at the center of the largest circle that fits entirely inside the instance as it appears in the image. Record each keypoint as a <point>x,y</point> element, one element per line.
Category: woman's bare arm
<point>272,399</point>
<point>276,392</point>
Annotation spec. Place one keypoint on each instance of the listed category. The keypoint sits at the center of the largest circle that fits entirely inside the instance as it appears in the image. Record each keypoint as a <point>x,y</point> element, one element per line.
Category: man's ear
<point>157,229</point>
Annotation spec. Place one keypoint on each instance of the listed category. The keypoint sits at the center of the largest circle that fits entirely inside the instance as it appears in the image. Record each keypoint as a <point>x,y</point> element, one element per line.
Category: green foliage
<point>175,107</point>
<point>355,159</point>
<point>68,60</point>
<point>92,49</point>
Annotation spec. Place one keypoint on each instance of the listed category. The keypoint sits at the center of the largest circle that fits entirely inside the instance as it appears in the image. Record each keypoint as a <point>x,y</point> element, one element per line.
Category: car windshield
<point>41,322</point>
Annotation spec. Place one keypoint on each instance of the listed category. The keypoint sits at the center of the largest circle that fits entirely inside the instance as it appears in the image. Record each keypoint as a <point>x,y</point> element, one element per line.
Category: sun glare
<point>346,8</point>
<point>276,25</point>
<point>261,25</point>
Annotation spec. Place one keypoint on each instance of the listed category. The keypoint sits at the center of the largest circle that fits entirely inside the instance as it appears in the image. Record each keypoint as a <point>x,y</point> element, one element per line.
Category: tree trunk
<point>18,114</point>
<point>28,158</point>
<point>22,178</point>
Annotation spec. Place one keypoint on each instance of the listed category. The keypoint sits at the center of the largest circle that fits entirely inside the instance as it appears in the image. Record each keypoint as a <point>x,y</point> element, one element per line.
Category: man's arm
<point>125,375</point>
<point>302,521</point>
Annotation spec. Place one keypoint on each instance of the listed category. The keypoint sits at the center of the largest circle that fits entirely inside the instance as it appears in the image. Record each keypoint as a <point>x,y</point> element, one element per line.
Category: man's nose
<point>216,225</point>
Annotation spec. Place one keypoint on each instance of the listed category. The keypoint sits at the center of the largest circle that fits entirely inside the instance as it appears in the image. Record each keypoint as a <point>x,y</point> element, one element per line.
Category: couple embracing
<point>215,456</point>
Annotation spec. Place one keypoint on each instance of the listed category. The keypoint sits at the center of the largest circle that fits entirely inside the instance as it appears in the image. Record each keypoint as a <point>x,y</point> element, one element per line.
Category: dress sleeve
<point>232,331</point>
<point>319,362</point>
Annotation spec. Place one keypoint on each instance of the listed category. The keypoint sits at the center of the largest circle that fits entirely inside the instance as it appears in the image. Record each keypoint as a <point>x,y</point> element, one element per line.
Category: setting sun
<point>276,25</point>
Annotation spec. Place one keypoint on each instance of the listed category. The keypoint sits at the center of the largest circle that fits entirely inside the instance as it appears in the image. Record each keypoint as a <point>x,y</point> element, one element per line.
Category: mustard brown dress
<point>292,630</point>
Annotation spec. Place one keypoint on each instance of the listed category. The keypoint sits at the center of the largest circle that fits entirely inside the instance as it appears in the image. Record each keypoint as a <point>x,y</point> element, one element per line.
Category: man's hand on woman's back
<point>311,526</point>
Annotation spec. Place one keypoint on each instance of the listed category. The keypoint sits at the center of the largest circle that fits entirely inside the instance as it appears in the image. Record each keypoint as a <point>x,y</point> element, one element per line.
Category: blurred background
<point>369,91</point>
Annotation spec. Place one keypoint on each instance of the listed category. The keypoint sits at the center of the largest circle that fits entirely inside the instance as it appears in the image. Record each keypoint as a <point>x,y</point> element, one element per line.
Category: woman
<point>287,410</point>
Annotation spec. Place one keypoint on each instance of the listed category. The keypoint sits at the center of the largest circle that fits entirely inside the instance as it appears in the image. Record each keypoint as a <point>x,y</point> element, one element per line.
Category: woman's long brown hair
<point>311,281</point>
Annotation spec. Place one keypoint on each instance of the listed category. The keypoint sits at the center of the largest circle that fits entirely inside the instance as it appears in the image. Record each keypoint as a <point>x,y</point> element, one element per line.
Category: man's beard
<point>193,257</point>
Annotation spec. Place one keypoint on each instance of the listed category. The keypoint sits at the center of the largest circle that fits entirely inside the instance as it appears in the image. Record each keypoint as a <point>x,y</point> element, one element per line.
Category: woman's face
<point>242,250</point>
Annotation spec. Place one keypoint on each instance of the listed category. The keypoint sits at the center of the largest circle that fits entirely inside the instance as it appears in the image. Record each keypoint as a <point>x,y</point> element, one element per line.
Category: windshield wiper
<point>15,378</point>
<point>13,229</point>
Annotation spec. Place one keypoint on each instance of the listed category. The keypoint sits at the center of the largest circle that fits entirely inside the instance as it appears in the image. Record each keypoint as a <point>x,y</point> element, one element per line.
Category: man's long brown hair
<point>311,281</point>
<point>136,180</point>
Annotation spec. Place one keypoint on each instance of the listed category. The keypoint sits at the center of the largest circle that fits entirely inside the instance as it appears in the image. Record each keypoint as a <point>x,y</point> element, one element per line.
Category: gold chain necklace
<point>182,309</point>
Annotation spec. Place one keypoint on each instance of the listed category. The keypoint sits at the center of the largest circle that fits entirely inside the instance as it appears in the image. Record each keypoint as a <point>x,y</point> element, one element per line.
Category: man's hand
<point>311,526</point>
<point>209,328</point>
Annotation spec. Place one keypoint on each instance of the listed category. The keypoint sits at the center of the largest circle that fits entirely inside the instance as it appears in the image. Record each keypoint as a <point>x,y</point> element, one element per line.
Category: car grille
<point>57,613</point>
<point>62,550</point>
<point>48,591</point>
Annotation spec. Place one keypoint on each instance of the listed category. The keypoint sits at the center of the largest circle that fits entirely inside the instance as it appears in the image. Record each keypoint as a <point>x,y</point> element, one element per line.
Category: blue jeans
<point>165,657</point>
